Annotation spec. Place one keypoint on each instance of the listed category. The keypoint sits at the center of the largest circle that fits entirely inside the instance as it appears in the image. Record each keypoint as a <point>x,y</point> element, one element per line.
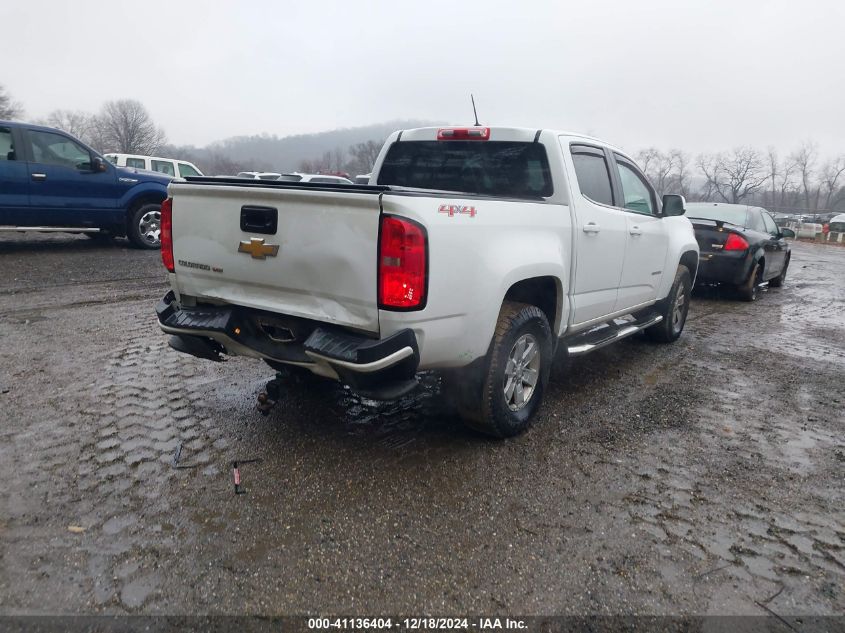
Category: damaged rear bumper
<point>382,369</point>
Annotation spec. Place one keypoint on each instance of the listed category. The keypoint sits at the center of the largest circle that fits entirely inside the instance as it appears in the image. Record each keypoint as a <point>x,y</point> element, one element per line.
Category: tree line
<point>802,181</point>
<point>123,125</point>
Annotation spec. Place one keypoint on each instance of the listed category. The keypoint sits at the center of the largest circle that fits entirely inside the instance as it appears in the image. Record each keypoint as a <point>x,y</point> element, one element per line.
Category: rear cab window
<point>506,169</point>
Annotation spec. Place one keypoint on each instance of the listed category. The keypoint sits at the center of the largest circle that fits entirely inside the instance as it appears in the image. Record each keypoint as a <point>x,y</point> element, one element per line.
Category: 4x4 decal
<point>452,209</point>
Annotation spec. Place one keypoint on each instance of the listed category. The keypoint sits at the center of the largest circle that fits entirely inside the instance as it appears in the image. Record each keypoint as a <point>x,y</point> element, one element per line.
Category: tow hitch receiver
<point>272,393</point>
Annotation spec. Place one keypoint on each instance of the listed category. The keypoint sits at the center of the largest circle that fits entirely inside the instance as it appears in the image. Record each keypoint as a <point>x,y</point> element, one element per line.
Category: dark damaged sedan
<point>740,246</point>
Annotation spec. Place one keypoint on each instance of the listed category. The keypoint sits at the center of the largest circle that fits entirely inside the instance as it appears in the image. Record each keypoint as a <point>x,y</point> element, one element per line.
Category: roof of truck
<point>503,132</point>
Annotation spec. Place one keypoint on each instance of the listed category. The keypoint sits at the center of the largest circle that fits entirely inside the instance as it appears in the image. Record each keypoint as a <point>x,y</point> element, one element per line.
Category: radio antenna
<point>473,109</point>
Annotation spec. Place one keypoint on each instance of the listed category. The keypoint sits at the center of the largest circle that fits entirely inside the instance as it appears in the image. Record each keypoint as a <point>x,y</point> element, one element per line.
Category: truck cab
<point>52,181</point>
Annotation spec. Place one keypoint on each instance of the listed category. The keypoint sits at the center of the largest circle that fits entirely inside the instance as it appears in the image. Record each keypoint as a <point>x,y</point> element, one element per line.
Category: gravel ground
<point>704,477</point>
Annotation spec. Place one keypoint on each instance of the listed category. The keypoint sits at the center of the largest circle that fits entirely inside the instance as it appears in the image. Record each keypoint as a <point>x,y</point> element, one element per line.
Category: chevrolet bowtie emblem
<point>258,249</point>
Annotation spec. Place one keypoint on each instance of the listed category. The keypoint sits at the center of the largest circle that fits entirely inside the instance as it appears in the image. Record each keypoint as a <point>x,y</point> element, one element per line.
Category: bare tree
<point>681,177</point>
<point>735,175</point>
<point>658,167</point>
<point>9,108</point>
<point>773,165</point>
<point>786,182</point>
<point>805,163</point>
<point>830,177</point>
<point>125,126</point>
<point>364,156</point>
<point>79,124</point>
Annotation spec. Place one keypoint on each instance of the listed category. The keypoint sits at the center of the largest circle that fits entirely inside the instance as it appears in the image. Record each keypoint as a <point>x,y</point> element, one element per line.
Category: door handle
<point>39,176</point>
<point>591,227</point>
<point>635,230</point>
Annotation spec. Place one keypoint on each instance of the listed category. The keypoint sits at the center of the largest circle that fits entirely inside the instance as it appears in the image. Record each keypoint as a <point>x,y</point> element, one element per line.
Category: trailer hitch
<point>273,392</point>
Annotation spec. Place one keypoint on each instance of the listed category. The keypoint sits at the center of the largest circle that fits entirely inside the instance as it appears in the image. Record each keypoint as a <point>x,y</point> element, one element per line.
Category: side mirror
<point>674,204</point>
<point>784,232</point>
<point>98,165</point>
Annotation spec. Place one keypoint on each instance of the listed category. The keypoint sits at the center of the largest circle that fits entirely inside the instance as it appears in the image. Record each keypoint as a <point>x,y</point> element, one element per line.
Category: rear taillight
<point>463,134</point>
<point>402,264</point>
<point>166,235</point>
<point>735,243</point>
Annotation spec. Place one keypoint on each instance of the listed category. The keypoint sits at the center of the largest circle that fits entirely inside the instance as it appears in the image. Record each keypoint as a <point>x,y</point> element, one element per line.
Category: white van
<point>169,166</point>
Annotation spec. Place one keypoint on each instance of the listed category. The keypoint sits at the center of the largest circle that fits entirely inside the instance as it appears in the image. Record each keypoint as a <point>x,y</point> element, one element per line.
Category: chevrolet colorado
<point>475,251</point>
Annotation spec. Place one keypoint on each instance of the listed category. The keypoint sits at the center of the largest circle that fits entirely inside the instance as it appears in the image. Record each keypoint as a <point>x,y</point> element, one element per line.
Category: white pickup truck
<point>475,251</point>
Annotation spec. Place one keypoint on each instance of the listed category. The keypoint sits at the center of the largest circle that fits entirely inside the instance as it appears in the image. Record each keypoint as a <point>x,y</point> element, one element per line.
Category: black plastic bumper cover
<point>329,344</point>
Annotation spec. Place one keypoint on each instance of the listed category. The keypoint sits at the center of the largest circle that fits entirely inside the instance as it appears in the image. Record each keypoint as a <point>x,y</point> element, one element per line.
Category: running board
<point>50,229</point>
<point>596,339</point>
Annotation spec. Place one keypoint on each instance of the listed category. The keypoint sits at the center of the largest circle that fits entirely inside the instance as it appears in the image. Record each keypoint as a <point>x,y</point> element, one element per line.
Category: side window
<point>593,175</point>
<point>164,166</point>
<point>754,221</point>
<point>7,144</point>
<point>137,163</point>
<point>186,170</point>
<point>771,227</point>
<point>54,149</point>
<point>635,191</point>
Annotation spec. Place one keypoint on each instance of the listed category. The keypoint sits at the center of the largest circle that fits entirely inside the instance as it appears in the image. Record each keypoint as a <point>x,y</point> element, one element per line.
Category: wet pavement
<point>702,477</point>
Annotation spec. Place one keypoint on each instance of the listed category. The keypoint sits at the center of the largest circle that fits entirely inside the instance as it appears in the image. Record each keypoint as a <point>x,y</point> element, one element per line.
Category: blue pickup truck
<point>51,181</point>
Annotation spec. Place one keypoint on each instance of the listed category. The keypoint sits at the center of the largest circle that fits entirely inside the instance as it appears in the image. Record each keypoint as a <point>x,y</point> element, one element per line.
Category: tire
<point>674,309</point>
<point>777,282</point>
<point>494,405</point>
<point>143,226</point>
<point>748,290</point>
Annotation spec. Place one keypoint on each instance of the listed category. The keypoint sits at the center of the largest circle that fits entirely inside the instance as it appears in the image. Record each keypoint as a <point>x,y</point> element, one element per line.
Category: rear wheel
<point>144,228</point>
<point>777,282</point>
<point>514,374</point>
<point>748,290</point>
<point>674,309</point>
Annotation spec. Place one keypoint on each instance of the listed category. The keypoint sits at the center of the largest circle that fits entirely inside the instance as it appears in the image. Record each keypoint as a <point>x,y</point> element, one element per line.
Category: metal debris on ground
<point>236,473</point>
<point>176,456</point>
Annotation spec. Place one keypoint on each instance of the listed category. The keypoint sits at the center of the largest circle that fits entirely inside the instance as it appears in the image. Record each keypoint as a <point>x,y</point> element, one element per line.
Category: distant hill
<point>273,153</point>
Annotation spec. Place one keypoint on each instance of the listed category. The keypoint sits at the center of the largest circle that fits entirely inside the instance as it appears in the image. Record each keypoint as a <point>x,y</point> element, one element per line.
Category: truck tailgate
<point>324,267</point>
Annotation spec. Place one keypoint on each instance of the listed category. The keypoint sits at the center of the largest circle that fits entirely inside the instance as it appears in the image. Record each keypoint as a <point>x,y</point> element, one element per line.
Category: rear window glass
<point>495,168</point>
<point>290,178</point>
<point>164,166</point>
<point>186,170</point>
<point>725,214</point>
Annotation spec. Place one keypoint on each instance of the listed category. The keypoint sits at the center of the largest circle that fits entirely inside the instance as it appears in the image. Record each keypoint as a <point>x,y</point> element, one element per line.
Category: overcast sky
<point>699,75</point>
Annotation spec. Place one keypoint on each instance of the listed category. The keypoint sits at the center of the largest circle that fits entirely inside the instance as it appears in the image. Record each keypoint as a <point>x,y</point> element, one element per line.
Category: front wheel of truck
<point>144,226</point>
<point>513,375</point>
